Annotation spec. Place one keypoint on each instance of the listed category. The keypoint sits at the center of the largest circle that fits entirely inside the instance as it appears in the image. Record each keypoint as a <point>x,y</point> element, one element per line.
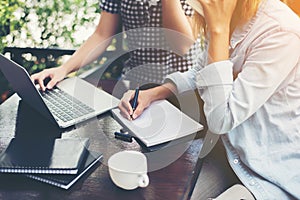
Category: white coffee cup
<point>128,169</point>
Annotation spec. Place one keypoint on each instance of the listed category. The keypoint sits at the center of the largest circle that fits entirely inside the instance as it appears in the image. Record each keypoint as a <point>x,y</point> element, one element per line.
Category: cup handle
<point>144,180</point>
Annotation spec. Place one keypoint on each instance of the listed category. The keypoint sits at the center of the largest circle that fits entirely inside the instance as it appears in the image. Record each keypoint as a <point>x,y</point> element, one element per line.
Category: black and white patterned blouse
<point>151,58</point>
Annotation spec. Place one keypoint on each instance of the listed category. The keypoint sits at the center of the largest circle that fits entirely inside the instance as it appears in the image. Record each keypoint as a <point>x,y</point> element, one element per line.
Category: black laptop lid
<point>21,83</point>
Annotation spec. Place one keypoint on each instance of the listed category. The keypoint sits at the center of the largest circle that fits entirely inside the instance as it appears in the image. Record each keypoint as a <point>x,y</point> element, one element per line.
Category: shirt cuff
<point>218,73</point>
<point>184,81</point>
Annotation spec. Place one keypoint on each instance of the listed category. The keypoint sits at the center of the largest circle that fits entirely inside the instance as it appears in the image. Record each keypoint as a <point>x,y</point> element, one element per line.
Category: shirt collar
<point>241,32</point>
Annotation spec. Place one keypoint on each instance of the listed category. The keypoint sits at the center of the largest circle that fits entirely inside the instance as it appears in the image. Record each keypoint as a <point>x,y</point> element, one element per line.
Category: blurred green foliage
<point>7,20</point>
<point>42,23</point>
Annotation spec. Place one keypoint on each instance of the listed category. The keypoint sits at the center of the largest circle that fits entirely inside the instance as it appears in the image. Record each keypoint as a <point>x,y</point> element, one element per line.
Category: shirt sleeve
<point>184,81</point>
<point>111,6</point>
<point>229,103</point>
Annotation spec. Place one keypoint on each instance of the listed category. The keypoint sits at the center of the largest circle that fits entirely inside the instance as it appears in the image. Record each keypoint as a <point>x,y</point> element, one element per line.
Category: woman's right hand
<point>143,102</point>
<point>145,98</point>
<point>56,74</point>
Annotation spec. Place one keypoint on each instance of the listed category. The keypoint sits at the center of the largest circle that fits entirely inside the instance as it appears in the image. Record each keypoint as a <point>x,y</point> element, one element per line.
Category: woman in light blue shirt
<point>250,85</point>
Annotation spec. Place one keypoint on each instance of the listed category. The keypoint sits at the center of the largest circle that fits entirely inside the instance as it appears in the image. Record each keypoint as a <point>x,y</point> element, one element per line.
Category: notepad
<point>65,181</point>
<point>161,122</point>
<point>57,156</point>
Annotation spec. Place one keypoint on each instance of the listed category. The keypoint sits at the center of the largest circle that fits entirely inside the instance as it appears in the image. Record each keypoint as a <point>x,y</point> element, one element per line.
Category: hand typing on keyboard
<point>63,105</point>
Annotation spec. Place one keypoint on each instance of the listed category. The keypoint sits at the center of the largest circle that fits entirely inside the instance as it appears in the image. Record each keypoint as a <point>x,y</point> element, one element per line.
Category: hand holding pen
<point>134,102</point>
<point>129,104</point>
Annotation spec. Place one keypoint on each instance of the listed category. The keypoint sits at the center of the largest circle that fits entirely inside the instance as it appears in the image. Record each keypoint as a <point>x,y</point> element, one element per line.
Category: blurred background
<point>38,34</point>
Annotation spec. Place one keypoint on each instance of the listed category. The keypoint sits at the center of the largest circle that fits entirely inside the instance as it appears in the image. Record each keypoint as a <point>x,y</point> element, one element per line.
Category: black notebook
<point>65,181</point>
<point>55,156</point>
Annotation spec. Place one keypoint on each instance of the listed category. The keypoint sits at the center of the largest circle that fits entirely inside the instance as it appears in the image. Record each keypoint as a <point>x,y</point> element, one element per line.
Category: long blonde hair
<point>245,9</point>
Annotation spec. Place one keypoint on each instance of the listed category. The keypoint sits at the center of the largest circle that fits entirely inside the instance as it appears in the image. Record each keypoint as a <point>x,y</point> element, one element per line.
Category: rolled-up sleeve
<point>218,73</point>
<point>215,84</point>
<point>184,81</point>
<point>199,77</point>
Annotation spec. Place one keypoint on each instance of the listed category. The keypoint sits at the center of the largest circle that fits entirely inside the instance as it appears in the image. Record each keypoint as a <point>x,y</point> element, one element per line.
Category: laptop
<point>81,100</point>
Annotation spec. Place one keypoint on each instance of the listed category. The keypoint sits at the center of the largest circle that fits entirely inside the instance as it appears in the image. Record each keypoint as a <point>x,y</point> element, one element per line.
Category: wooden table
<point>171,170</point>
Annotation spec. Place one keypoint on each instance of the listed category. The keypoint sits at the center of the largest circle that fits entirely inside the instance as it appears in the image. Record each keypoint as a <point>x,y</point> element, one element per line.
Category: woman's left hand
<point>218,13</point>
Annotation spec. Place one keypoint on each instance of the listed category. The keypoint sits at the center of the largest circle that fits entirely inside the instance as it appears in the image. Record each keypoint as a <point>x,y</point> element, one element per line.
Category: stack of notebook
<point>59,162</point>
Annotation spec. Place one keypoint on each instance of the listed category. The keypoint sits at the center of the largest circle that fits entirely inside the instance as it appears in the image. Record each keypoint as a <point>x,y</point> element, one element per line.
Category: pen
<point>135,99</point>
<point>123,136</point>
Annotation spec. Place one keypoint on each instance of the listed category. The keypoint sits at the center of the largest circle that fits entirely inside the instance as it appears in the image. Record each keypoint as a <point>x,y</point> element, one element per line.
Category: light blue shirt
<point>258,113</point>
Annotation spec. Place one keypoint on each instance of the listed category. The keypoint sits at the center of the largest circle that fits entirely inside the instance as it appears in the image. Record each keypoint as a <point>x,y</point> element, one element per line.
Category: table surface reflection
<point>171,169</point>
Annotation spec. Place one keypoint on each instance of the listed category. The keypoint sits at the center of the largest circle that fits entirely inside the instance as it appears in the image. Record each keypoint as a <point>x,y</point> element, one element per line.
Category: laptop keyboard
<point>64,106</point>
